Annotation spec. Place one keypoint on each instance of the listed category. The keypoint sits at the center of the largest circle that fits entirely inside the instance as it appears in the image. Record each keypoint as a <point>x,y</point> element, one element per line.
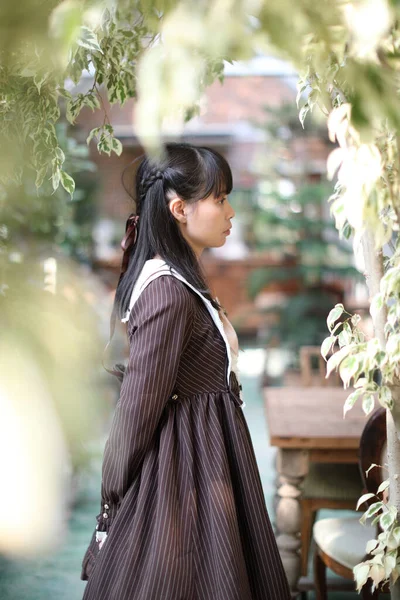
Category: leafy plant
<point>46,217</point>
<point>383,563</point>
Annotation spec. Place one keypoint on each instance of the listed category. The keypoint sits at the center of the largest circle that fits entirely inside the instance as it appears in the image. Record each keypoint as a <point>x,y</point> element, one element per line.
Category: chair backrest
<point>373,450</point>
<point>310,376</point>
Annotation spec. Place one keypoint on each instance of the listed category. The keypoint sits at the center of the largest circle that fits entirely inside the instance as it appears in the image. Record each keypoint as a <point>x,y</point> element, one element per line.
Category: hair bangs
<point>217,172</point>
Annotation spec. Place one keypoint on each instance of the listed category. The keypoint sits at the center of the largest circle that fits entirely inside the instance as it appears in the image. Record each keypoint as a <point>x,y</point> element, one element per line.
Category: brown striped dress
<point>182,504</point>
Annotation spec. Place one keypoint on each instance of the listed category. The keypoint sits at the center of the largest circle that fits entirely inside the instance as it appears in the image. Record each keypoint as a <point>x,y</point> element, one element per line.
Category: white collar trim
<point>155,267</point>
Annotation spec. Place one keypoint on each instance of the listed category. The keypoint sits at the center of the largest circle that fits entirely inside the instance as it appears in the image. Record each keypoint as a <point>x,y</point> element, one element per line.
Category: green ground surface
<point>57,577</point>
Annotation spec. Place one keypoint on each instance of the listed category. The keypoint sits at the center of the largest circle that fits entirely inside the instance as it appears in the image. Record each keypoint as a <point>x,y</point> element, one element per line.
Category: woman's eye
<point>223,200</point>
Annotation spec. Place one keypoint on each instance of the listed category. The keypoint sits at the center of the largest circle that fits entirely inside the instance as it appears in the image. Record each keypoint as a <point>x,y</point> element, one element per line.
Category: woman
<point>183,515</point>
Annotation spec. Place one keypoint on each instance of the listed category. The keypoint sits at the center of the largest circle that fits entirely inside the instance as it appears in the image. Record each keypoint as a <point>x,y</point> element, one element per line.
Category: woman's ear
<point>177,207</point>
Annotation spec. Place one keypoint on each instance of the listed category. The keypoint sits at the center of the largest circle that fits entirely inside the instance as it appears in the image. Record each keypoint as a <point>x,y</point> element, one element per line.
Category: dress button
<point>106,506</point>
<point>105,515</point>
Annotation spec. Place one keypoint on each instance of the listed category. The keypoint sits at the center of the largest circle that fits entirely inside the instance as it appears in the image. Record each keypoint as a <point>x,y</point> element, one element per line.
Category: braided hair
<point>192,173</point>
<point>146,184</point>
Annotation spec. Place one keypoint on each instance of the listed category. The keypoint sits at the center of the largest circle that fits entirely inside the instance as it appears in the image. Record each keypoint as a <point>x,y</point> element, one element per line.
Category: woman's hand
<point>101,538</point>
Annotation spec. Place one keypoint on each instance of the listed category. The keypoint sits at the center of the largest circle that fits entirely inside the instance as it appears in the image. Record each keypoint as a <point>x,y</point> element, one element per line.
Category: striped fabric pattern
<point>181,496</point>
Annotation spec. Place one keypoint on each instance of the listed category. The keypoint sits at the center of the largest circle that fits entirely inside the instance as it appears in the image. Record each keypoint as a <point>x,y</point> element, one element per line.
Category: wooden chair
<point>320,488</point>
<point>340,543</point>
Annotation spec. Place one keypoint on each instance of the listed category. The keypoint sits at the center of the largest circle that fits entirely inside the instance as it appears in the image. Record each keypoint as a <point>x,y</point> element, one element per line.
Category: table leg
<point>292,466</point>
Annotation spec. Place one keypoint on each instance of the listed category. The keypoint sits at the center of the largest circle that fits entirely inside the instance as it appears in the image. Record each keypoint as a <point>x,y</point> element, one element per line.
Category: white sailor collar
<point>155,267</point>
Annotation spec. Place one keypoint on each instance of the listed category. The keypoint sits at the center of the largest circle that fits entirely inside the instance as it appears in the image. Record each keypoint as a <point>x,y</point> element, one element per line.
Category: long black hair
<point>192,173</point>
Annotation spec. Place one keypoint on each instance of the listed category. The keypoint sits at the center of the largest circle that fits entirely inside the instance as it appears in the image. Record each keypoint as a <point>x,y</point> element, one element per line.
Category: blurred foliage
<point>293,227</point>
<point>52,397</point>
<point>39,303</point>
<point>165,53</point>
<point>283,124</point>
<point>312,263</point>
<point>312,266</point>
<point>41,58</point>
<point>58,331</point>
<point>51,391</point>
<point>49,216</point>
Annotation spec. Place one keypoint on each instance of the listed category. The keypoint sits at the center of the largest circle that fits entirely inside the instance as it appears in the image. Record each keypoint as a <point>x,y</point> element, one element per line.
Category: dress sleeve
<point>162,325</point>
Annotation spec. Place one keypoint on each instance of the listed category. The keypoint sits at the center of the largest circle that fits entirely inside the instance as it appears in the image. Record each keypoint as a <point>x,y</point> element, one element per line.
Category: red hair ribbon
<point>129,239</point>
<point>127,242</point>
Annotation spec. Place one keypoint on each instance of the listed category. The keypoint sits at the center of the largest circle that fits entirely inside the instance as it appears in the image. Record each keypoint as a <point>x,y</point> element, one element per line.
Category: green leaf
<point>103,145</point>
<point>360,382</point>
<point>344,338</point>
<point>363,499</point>
<point>92,101</point>
<point>60,154</point>
<point>396,534</point>
<point>368,403</point>
<point>55,179</point>
<point>391,542</point>
<point>371,545</point>
<point>300,89</point>
<point>327,345</point>
<point>68,183</point>
<point>384,485</point>
<point>39,81</point>
<point>380,358</point>
<point>303,113</point>
<point>370,469</point>
<point>339,324</point>
<point>121,93</point>
<point>373,509</point>
<point>350,401</point>
<point>40,175</point>
<point>375,520</point>
<point>385,397</point>
<point>376,305</point>
<point>336,359</point>
<point>378,558</point>
<point>389,281</point>
<point>334,315</point>
<point>361,573</point>
<point>393,346</point>
<point>386,520</point>
<point>65,93</point>
<point>348,368</point>
<point>389,562</point>
<point>89,40</point>
<point>373,347</point>
<point>116,146</point>
<point>93,133</point>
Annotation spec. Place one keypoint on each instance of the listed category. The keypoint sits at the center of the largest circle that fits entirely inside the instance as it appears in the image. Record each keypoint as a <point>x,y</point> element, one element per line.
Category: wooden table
<point>306,424</point>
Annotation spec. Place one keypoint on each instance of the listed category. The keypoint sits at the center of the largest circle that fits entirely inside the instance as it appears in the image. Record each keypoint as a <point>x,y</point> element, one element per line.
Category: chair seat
<point>333,481</point>
<point>343,539</point>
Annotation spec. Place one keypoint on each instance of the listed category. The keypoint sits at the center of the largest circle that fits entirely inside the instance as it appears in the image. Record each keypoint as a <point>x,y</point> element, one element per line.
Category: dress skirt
<point>181,497</point>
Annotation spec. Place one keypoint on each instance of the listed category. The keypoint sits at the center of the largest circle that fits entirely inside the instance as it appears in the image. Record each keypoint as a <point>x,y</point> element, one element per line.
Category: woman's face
<point>208,222</point>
